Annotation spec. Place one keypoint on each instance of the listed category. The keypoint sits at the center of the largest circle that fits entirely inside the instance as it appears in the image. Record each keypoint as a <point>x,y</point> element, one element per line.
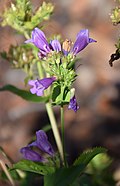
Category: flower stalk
<point>52,118</point>
<point>63,135</point>
<point>55,129</point>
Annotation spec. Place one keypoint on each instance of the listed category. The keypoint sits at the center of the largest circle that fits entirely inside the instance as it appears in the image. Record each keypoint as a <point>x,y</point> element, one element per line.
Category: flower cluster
<point>42,144</point>
<point>40,41</point>
<point>62,72</point>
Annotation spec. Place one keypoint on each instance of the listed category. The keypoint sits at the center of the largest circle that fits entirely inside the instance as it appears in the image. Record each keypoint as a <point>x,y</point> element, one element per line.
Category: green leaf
<point>30,166</point>
<point>63,176</point>
<point>87,156</point>
<point>13,174</point>
<point>56,94</point>
<point>60,98</point>
<point>67,176</point>
<point>23,94</point>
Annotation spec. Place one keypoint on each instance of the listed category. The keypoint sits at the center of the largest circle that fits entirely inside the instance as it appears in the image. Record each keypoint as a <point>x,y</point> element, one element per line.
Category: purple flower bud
<point>55,45</point>
<point>73,103</point>
<point>82,41</point>
<point>41,143</point>
<point>38,86</point>
<point>31,155</point>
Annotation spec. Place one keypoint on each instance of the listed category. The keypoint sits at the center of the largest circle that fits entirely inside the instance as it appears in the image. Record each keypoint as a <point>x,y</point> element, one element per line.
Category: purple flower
<point>73,102</point>
<point>38,86</point>
<point>40,41</point>
<point>31,155</point>
<point>42,144</point>
<point>82,41</point>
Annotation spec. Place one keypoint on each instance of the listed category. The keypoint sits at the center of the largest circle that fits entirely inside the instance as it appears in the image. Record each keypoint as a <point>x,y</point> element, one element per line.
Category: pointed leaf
<point>67,176</point>
<point>87,156</point>
<point>23,94</point>
<point>35,167</point>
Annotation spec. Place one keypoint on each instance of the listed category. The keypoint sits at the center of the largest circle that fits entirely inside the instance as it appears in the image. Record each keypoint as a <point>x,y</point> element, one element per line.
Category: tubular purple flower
<point>31,155</point>
<point>82,41</point>
<point>73,102</point>
<point>42,144</point>
<point>40,41</point>
<point>38,86</point>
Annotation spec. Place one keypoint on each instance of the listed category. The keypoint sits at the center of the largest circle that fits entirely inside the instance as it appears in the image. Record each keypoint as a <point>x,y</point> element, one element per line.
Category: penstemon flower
<point>30,154</point>
<point>42,144</point>
<point>40,41</point>
<point>82,41</point>
<point>38,86</point>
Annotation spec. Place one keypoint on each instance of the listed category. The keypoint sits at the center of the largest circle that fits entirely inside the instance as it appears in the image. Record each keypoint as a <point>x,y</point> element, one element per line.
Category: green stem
<point>63,134</point>
<point>26,35</point>
<point>52,118</point>
<point>55,129</point>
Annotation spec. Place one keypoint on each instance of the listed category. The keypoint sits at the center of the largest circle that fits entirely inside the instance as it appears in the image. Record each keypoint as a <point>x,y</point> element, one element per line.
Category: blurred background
<point>97,123</point>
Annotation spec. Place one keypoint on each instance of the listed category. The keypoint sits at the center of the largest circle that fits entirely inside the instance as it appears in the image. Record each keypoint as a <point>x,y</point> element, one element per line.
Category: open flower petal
<point>38,86</point>
<point>46,82</point>
<point>31,155</point>
<point>92,40</point>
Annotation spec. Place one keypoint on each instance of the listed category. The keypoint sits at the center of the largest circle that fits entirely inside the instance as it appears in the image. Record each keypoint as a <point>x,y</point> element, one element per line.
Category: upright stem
<point>63,134</point>
<point>52,118</point>
<point>55,129</point>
